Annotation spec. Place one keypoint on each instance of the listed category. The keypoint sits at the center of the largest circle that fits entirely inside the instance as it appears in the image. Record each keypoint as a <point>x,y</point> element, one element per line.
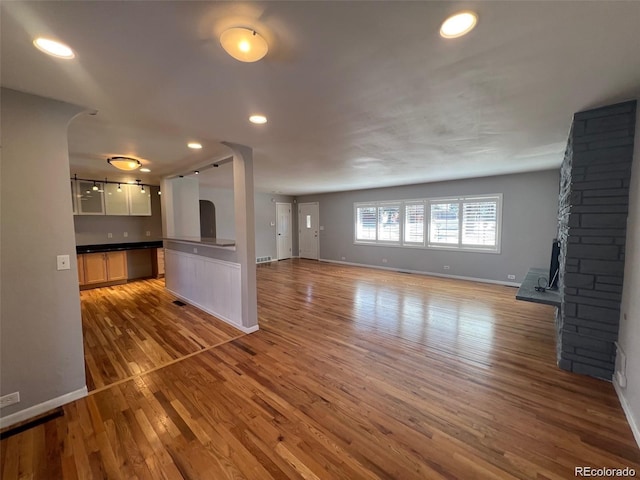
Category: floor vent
<point>263,259</point>
<point>179,303</point>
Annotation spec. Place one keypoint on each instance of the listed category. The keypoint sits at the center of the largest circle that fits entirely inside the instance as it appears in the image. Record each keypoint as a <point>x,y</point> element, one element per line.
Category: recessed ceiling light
<point>194,145</point>
<point>244,44</point>
<point>259,119</point>
<point>458,25</point>
<point>51,47</point>
<point>145,170</point>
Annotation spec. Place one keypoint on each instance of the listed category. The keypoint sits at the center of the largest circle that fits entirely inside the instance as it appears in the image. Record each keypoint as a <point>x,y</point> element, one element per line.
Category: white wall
<point>181,207</point>
<point>222,199</point>
<point>42,353</point>
<point>629,333</point>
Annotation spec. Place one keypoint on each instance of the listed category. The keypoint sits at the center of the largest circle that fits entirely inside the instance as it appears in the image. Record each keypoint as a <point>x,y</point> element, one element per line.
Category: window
<point>462,223</point>
<point>389,223</point>
<point>366,223</point>
<point>378,222</point>
<point>444,226</point>
<point>414,223</point>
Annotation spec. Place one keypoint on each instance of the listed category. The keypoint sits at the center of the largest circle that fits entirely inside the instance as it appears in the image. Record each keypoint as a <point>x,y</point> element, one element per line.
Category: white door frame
<point>283,255</point>
<point>300,224</point>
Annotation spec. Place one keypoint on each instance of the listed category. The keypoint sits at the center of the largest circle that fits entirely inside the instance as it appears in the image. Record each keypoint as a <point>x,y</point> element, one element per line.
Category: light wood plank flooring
<point>133,328</point>
<point>354,374</point>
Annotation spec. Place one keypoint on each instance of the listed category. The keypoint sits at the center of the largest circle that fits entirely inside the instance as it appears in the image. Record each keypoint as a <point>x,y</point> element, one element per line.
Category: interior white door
<point>283,230</point>
<point>308,218</point>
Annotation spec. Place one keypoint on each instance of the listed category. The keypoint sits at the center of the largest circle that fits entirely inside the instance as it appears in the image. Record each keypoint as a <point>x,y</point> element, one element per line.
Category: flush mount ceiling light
<point>124,163</point>
<point>53,48</point>
<point>458,25</point>
<point>244,44</point>
<point>145,170</point>
<point>258,119</point>
<point>194,145</point>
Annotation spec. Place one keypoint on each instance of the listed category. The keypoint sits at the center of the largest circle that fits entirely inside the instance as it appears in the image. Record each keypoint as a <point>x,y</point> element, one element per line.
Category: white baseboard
<point>43,407</point>
<point>420,272</point>
<point>215,314</point>
<point>627,411</point>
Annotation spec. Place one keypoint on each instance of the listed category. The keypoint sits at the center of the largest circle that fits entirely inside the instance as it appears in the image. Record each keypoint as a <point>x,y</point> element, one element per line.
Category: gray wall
<point>530,207</point>
<point>265,214</point>
<point>42,351</point>
<point>94,229</point>
<point>629,334</point>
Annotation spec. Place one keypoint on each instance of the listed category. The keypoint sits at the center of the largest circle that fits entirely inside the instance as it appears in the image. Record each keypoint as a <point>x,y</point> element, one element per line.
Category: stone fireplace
<point>592,220</point>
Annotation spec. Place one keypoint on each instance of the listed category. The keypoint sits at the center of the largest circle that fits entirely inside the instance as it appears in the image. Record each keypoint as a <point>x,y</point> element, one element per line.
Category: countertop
<point>115,247</point>
<point>528,293</point>
<point>206,241</point>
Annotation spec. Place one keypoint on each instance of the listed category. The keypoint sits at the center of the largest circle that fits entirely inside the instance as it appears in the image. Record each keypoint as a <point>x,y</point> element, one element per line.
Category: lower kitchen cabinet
<point>102,267</point>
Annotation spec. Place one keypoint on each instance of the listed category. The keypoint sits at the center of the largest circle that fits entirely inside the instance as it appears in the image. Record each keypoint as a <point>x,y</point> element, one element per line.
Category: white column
<point>245,230</point>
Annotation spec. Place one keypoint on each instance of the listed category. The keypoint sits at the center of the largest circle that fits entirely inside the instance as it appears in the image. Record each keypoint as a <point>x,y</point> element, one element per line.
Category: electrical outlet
<point>343,258</point>
<point>9,399</point>
<point>195,250</point>
<point>384,260</point>
<point>148,233</point>
<point>125,234</point>
<point>109,235</point>
<point>447,267</point>
<point>511,277</point>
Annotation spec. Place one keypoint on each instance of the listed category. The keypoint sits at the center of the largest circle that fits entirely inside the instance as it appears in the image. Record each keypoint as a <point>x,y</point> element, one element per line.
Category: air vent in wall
<point>263,259</point>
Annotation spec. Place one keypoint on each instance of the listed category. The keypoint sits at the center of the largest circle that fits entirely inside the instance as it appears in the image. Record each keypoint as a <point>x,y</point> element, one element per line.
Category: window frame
<point>426,223</point>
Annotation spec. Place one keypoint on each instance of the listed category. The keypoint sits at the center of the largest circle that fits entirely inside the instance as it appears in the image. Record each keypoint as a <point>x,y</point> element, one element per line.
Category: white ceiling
<point>358,94</point>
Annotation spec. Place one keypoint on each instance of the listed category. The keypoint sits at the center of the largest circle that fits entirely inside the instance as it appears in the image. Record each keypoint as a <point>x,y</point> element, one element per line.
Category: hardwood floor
<point>354,374</point>
<point>134,328</point>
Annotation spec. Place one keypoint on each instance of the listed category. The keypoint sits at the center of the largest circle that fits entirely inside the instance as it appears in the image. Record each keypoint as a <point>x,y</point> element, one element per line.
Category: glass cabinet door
<point>139,201</point>
<point>90,199</point>
<point>116,202</point>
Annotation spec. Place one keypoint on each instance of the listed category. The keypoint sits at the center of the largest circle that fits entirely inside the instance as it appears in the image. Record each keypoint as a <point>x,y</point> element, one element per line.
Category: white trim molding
<point>420,272</point>
<point>627,411</point>
<point>43,407</point>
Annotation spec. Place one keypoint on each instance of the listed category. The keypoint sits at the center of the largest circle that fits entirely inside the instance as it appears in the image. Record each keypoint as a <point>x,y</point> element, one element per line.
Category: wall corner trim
<point>43,407</point>
<point>635,428</point>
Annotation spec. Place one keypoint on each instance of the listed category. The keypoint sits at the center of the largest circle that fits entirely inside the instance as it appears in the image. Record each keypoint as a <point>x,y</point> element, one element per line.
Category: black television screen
<point>554,268</point>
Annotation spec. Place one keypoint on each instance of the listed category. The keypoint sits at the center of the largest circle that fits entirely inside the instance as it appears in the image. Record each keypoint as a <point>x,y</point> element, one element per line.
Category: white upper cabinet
<point>107,200</point>
<point>116,202</point>
<point>139,202</point>
<point>88,200</point>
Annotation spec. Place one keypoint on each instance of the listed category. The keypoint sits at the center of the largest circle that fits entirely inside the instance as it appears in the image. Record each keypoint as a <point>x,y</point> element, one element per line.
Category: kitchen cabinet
<point>116,202</point>
<point>102,267</point>
<point>158,262</point>
<point>116,265</point>
<point>80,269</point>
<point>139,202</point>
<point>107,200</point>
<point>88,200</point>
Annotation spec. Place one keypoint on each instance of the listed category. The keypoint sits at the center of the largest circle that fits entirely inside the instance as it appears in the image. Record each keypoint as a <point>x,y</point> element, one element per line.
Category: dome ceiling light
<point>54,48</point>
<point>244,44</point>
<point>458,25</point>
<point>127,164</point>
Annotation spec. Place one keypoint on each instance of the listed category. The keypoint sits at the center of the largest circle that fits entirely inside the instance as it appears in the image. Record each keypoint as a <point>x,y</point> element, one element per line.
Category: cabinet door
<point>157,257</point>
<point>95,268</point>
<point>90,201</point>
<point>139,203</point>
<point>116,202</point>
<point>73,197</point>
<point>116,265</point>
<point>80,269</point>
